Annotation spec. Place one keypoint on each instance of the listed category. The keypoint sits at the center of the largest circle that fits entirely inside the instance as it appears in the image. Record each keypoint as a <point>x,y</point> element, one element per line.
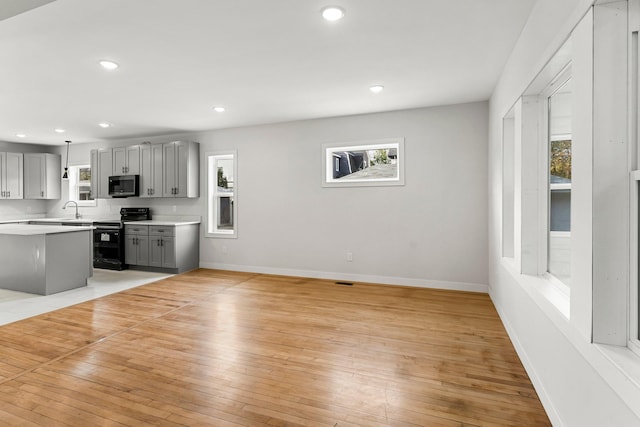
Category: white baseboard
<point>546,401</point>
<point>384,280</point>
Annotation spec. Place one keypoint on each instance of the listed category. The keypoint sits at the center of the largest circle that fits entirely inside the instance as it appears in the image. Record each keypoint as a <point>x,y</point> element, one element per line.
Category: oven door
<point>108,248</point>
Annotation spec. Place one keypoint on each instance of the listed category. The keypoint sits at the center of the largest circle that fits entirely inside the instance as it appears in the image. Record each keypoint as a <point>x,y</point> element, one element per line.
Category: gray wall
<point>430,232</point>
<point>432,229</point>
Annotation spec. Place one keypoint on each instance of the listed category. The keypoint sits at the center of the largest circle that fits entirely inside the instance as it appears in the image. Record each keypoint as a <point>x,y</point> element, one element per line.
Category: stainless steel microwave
<point>124,185</point>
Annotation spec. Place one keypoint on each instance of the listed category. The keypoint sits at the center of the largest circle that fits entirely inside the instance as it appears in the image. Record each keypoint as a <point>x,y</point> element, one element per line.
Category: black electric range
<point>108,238</point>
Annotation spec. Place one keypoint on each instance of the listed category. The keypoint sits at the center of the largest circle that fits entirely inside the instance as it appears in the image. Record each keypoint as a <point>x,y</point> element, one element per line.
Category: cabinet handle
<point>161,242</point>
<point>42,194</point>
<point>3,193</point>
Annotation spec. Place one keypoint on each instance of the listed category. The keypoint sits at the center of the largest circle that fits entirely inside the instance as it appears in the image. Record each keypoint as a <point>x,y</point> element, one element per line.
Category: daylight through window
<point>222,201</point>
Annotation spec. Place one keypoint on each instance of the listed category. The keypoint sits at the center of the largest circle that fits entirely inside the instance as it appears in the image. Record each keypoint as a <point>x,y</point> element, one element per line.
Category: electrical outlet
<point>174,208</point>
<point>349,256</point>
<point>224,249</point>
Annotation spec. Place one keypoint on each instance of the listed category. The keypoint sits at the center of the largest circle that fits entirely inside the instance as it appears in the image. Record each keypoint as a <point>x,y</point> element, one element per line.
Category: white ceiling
<point>265,61</point>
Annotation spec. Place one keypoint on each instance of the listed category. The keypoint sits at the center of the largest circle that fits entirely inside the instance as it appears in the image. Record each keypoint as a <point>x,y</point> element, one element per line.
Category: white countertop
<point>167,223</point>
<point>33,230</point>
<point>14,221</point>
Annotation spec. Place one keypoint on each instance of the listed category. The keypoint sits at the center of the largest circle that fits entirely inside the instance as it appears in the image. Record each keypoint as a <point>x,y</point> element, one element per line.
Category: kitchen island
<point>45,259</point>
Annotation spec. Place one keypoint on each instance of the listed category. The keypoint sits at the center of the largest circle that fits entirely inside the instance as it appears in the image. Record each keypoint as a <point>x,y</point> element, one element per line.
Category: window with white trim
<point>559,178</point>
<point>80,185</point>
<point>222,203</point>
<point>508,184</point>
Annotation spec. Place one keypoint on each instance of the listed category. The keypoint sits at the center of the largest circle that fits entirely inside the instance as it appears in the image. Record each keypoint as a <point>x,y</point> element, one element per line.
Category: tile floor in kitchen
<point>19,305</point>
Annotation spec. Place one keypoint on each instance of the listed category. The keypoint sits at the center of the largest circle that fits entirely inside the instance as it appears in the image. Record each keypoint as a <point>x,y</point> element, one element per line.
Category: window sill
<point>221,235</point>
<point>549,293</point>
<point>618,366</point>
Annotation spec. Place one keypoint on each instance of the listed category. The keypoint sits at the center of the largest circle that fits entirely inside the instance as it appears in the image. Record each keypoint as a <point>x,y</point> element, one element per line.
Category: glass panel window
<point>559,183</point>
<point>80,185</point>
<point>222,200</point>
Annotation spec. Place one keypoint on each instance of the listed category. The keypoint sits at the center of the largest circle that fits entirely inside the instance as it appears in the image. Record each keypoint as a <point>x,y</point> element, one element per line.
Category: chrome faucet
<point>74,202</point>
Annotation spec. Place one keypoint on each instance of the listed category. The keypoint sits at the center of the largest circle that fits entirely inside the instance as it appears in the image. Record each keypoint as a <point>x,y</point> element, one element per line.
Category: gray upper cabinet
<point>180,164</point>
<point>166,170</point>
<point>105,170</point>
<point>94,173</point>
<point>151,170</point>
<point>42,178</point>
<point>126,160</point>
<point>11,175</point>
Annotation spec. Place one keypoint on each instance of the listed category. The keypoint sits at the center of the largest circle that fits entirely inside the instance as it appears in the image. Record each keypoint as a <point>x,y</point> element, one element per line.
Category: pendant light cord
<point>65,175</point>
<point>68,143</point>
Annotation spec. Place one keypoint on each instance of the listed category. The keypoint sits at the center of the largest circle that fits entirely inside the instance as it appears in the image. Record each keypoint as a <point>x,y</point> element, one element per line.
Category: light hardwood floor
<point>216,348</point>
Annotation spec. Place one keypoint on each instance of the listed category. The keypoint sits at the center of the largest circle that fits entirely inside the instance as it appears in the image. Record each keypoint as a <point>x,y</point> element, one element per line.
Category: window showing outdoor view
<point>358,164</point>
<point>225,194</point>
<point>84,183</point>
<point>559,242</point>
<point>369,163</point>
<point>222,200</point>
<point>80,185</point>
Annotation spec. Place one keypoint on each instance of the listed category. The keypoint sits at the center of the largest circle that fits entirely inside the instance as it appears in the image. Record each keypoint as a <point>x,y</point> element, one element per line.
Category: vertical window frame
<point>74,184</point>
<point>213,195</point>
<point>559,81</point>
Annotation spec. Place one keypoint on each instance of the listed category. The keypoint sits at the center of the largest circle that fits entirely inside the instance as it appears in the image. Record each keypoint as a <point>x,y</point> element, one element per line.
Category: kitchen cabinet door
<point>168,247</point>
<point>155,251</point>
<point>126,160</point>
<point>11,175</point>
<point>162,248</point>
<point>169,162</point>
<point>132,155</point>
<point>105,170</point>
<point>151,170</point>
<point>142,244</point>
<point>136,249</point>
<point>42,177</point>
<point>95,174</point>
<point>130,250</point>
<point>181,165</point>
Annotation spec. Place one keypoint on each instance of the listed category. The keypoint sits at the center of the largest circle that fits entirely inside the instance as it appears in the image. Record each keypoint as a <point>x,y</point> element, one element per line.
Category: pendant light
<point>65,175</point>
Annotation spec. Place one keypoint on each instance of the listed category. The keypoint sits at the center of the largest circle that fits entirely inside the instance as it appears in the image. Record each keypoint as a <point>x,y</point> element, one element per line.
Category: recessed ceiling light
<point>104,125</point>
<point>219,109</point>
<point>332,13</point>
<point>108,65</point>
<point>21,135</point>
<point>376,88</point>
<point>59,130</point>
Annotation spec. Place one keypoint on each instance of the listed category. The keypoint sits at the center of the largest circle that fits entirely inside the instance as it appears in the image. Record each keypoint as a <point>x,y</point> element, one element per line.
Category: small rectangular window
<point>222,199</point>
<point>80,185</point>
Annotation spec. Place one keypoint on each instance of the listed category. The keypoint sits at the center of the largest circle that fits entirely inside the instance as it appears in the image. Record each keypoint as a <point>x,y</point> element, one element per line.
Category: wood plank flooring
<point>217,348</point>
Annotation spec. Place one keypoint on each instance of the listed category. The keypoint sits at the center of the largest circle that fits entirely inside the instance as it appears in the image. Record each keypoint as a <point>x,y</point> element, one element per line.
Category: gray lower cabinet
<point>165,248</point>
<point>162,246</point>
<point>136,245</point>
